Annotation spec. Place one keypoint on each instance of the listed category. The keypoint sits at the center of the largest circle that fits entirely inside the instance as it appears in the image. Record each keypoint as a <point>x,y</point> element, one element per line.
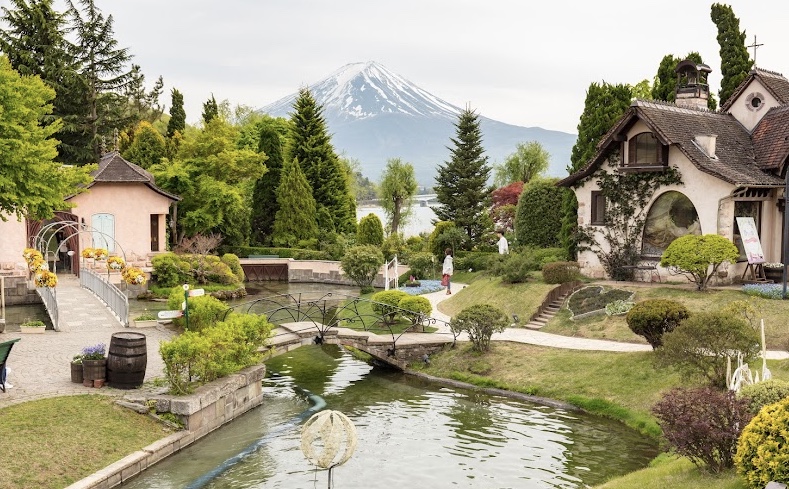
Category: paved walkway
<point>40,363</point>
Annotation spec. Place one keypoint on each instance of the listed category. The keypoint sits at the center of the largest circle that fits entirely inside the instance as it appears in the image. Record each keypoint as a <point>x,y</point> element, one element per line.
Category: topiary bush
<point>653,318</point>
<point>699,256</point>
<point>703,424</point>
<point>763,452</point>
<point>361,264</point>
<point>538,216</point>
<point>700,345</point>
<point>370,231</point>
<point>387,304</point>
<point>415,308</point>
<point>204,311</point>
<point>479,321</point>
<point>763,393</point>
<point>560,272</point>
<point>234,264</point>
<point>170,270</point>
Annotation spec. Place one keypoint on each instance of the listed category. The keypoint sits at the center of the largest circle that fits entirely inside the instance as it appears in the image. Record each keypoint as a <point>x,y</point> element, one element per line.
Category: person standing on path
<point>504,246</point>
<point>448,270</point>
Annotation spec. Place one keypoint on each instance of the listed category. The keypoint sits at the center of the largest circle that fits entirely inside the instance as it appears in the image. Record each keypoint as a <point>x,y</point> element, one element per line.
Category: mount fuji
<point>374,115</point>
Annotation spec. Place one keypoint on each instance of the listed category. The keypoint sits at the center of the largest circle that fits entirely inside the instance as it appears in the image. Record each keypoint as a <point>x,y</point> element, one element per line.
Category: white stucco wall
<point>131,204</point>
<point>742,111</point>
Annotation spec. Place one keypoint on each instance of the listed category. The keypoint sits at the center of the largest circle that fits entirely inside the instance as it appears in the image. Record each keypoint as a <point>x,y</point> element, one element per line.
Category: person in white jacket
<point>504,246</point>
<point>448,269</point>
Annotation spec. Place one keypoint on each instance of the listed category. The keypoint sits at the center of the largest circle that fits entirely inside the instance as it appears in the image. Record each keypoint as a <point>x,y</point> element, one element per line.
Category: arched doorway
<point>57,236</point>
<point>672,215</point>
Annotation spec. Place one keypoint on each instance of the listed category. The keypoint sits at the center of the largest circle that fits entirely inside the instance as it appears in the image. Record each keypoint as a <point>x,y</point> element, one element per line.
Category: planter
<point>774,274</point>
<point>94,369</point>
<point>32,330</point>
<point>76,373</point>
<point>149,323</point>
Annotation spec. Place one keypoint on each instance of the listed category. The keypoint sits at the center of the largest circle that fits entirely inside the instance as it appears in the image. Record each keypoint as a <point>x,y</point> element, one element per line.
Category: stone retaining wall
<point>17,292</point>
<point>210,407</point>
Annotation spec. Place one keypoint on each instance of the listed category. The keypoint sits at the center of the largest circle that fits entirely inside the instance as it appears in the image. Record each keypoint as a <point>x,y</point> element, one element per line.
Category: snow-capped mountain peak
<point>364,90</point>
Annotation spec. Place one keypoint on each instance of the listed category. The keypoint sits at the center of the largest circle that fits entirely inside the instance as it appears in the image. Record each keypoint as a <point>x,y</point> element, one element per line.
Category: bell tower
<point>692,88</point>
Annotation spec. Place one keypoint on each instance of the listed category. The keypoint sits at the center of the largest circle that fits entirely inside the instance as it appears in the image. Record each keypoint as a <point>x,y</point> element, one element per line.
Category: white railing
<point>50,300</point>
<point>107,292</point>
<point>391,276</point>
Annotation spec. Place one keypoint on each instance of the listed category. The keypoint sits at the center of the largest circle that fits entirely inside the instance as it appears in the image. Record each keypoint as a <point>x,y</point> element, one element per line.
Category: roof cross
<point>755,47</point>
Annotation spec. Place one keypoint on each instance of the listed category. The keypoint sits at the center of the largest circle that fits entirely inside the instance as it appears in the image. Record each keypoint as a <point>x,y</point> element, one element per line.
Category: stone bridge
<point>395,350</point>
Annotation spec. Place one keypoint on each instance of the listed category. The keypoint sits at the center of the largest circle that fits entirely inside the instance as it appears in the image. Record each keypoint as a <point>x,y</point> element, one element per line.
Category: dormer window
<point>645,150</point>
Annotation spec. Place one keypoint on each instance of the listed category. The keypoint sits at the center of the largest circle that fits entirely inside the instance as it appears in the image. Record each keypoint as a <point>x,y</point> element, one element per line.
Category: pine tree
<point>103,67</point>
<point>311,145</point>
<point>36,45</point>
<point>264,195</point>
<point>295,220</point>
<point>177,120</point>
<point>148,146</point>
<point>735,62</point>
<point>461,182</point>
<point>210,110</point>
<point>604,105</point>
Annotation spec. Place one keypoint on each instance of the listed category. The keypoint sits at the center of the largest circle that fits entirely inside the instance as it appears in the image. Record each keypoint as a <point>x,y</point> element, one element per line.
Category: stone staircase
<point>553,302</point>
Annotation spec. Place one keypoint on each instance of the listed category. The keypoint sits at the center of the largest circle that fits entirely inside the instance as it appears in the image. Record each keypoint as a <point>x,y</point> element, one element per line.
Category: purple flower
<point>95,352</point>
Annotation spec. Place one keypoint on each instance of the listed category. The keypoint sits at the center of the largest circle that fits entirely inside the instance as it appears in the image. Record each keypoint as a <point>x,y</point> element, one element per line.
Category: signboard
<point>169,314</point>
<point>750,240</point>
<point>196,292</point>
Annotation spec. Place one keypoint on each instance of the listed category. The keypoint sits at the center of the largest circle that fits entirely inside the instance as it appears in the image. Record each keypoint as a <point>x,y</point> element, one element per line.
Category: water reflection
<point>410,431</point>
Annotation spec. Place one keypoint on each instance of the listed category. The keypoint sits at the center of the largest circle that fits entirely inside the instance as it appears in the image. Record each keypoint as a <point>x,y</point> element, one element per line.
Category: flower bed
<point>593,300</point>
<point>767,291</point>
<point>425,287</point>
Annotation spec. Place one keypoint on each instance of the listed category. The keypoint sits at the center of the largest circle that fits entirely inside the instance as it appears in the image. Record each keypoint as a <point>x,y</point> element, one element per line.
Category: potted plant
<point>33,327</point>
<point>145,320</point>
<point>94,365</point>
<point>76,369</point>
<point>774,272</point>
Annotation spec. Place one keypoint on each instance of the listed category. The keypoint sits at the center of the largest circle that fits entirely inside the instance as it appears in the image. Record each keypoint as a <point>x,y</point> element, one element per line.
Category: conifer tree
<point>461,182</point>
<point>264,195</point>
<point>103,68</point>
<point>665,87</point>
<point>210,110</point>
<point>148,146</point>
<point>177,120</point>
<point>371,231</point>
<point>311,145</point>
<point>604,105</point>
<point>295,219</point>
<point>735,62</point>
<point>35,43</point>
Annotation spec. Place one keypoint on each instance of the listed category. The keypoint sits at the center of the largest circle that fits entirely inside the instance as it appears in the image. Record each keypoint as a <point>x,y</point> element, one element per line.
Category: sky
<point>519,62</point>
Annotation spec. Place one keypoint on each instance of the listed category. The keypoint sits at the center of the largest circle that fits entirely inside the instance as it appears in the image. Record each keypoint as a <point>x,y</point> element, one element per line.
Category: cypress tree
<point>461,182</point>
<point>264,195</point>
<point>604,105</point>
<point>371,231</point>
<point>148,146</point>
<point>177,120</point>
<point>311,145</point>
<point>665,87</point>
<point>539,213</point>
<point>735,62</point>
<point>295,219</point>
<point>210,110</point>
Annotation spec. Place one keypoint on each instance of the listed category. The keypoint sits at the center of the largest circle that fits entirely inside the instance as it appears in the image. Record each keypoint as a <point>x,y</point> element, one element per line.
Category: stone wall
<point>17,292</point>
<point>323,271</point>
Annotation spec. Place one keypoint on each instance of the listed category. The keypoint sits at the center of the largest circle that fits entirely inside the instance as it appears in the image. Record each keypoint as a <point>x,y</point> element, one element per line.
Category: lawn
<point>52,443</point>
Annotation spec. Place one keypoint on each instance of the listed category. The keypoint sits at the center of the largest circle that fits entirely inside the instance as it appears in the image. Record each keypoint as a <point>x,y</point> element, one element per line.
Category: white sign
<point>750,240</point>
<point>183,305</point>
<point>169,314</point>
<point>196,292</point>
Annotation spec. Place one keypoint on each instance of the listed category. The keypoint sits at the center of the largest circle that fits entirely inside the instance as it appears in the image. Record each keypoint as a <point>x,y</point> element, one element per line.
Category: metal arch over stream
<point>347,320</point>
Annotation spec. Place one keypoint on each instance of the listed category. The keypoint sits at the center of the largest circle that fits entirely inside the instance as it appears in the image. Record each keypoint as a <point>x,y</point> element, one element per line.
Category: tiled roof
<point>774,82</point>
<point>771,139</point>
<point>678,126</point>
<point>113,168</point>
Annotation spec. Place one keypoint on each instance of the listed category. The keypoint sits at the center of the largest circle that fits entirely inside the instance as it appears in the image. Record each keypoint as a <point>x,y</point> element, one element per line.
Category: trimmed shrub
<point>700,345</point>
<point>370,231</point>
<point>361,264</point>
<point>479,321</point>
<point>703,424</point>
<point>763,452</point>
<point>234,264</point>
<point>515,267</point>
<point>653,318</point>
<point>538,217</point>
<point>763,393</point>
<point>699,256</point>
<point>420,264</point>
<point>476,261</point>
<point>560,272</point>
<point>416,308</point>
<point>295,253</point>
<point>204,311</point>
<point>387,303</point>
<point>170,270</point>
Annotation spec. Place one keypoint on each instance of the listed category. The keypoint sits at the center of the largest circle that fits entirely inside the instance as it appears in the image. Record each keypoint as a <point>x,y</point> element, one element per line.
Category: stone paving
<point>40,363</point>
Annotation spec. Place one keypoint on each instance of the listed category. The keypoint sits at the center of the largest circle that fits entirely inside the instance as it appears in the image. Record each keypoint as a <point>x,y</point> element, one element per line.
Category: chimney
<point>707,144</point>
<point>692,88</point>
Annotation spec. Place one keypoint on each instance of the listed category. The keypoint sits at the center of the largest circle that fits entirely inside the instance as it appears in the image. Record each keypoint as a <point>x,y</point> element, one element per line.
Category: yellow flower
<point>46,279</point>
<point>31,254</point>
<point>133,276</point>
<point>38,265</point>
<point>115,263</point>
<point>100,253</point>
<point>88,253</point>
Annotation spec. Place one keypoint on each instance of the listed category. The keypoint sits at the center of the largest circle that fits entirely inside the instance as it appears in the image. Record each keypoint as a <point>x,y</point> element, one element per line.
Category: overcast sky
<point>519,62</point>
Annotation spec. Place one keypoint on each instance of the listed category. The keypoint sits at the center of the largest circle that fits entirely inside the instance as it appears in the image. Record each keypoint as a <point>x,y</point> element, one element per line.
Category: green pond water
<point>409,431</point>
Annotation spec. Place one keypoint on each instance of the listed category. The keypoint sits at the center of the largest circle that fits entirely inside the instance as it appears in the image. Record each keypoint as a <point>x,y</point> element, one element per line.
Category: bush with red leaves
<point>703,424</point>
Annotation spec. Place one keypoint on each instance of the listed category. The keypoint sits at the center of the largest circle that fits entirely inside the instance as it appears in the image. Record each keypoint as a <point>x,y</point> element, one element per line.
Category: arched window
<point>672,215</point>
<point>644,150</point>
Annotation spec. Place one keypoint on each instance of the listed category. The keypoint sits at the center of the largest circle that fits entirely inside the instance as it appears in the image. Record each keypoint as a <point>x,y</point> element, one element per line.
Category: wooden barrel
<point>94,369</point>
<point>126,360</point>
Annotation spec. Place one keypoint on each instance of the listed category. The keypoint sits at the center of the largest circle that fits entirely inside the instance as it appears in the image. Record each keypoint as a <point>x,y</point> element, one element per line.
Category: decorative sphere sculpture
<point>328,439</point>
